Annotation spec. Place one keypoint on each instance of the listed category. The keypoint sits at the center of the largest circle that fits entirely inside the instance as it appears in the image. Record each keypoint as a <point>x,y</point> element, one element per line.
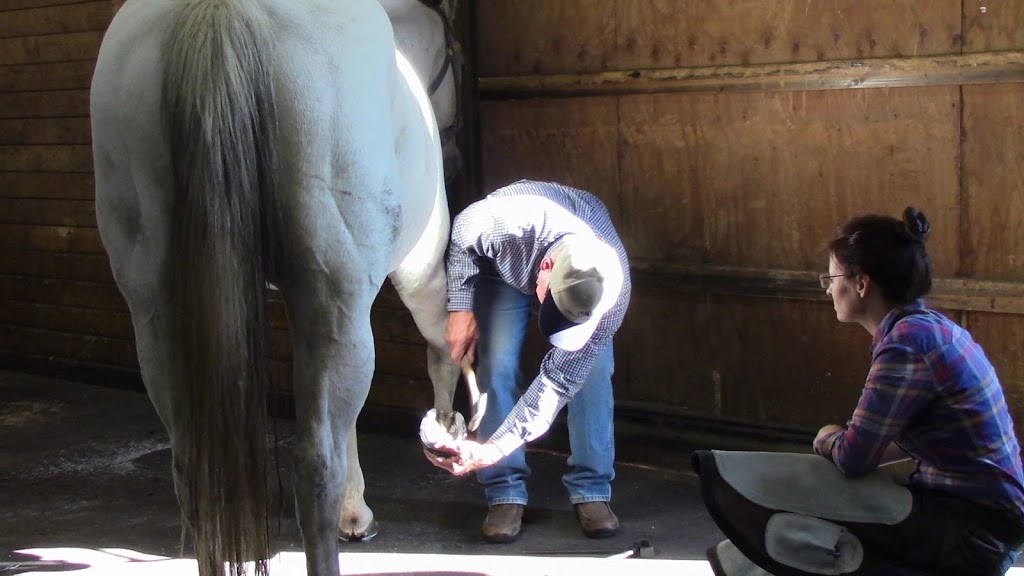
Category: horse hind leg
<point>356,522</point>
<point>333,366</point>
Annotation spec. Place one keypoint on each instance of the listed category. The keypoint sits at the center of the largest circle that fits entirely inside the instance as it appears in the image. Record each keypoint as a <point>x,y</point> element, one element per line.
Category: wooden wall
<point>730,138</point>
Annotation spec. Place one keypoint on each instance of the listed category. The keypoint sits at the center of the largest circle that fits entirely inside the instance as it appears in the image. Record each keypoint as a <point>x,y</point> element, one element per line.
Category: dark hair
<point>891,252</point>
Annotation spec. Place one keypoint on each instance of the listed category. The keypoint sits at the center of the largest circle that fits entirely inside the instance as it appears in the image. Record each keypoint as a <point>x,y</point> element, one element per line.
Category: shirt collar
<point>894,315</point>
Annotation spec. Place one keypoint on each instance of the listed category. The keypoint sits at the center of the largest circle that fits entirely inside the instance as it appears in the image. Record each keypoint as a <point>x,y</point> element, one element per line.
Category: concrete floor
<point>85,487</point>
<point>85,484</point>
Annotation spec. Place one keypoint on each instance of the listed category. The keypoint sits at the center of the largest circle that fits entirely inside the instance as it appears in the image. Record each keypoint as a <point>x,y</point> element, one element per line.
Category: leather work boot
<point>503,523</point>
<point>597,519</point>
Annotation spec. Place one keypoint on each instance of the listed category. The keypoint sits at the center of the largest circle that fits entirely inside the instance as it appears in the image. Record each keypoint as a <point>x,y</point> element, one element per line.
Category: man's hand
<point>823,434</point>
<point>468,456</point>
<point>461,335</point>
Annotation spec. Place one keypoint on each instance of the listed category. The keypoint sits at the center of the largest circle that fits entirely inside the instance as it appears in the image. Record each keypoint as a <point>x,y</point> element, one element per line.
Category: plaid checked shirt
<point>512,228</point>
<point>933,391</point>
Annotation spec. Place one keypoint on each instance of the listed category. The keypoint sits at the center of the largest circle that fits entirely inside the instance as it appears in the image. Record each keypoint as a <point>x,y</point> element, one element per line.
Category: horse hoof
<point>364,536</point>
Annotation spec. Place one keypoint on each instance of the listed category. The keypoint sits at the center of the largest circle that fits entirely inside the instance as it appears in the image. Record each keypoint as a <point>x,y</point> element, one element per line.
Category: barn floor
<point>85,487</point>
<point>85,482</point>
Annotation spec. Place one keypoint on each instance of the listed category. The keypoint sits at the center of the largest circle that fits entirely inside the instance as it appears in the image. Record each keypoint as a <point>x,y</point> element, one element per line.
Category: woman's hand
<point>819,440</point>
<point>467,456</point>
<point>461,334</point>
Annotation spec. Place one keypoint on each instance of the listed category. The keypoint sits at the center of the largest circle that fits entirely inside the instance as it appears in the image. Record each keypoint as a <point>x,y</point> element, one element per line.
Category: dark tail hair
<point>219,104</point>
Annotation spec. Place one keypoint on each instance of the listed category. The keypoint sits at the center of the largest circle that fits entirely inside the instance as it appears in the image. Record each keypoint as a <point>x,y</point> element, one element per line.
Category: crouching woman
<point>931,395</point>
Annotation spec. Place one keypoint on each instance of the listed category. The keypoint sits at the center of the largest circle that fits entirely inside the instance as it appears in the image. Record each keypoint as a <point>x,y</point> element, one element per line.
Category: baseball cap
<point>585,282</point>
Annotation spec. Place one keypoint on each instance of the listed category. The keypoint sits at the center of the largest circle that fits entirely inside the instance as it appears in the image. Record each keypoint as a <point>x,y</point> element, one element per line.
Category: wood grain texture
<point>572,141</point>
<point>90,295</point>
<point>666,33</point>
<point>762,180</point>
<point>993,182</point>
<point>64,239</point>
<point>56,19</point>
<point>12,5</point>
<point>75,75</point>
<point>113,352</point>
<point>543,37</point>
<point>45,131</point>
<point>50,48</point>
<point>55,265</point>
<point>1002,338</point>
<point>69,320</point>
<point>960,294</point>
<point>745,359</point>
<point>48,185</point>
<point>45,104</point>
<point>48,212</point>
<point>993,25</point>
<point>46,158</point>
<point>945,70</point>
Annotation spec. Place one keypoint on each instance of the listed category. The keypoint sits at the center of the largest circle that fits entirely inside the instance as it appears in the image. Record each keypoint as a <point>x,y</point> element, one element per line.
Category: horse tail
<point>218,102</point>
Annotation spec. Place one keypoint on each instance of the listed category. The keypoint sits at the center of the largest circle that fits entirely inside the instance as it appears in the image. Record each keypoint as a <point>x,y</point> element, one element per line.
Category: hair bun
<point>916,224</point>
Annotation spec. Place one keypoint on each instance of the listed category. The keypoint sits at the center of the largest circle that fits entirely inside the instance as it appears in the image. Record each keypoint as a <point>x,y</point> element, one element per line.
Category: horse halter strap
<point>449,56</point>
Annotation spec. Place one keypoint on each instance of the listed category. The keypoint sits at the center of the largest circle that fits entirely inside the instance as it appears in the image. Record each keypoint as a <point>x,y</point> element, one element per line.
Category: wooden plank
<point>86,16</point>
<point>48,212</point>
<point>90,322</point>
<point>63,239</point>
<point>45,104</point>
<point>94,349</point>
<point>762,180</point>
<point>91,295</point>
<point>949,293</point>
<point>53,185</point>
<point>573,142</point>
<point>993,25</point>
<point>544,37</point>
<point>49,76</point>
<point>56,265</point>
<point>743,359</point>
<point>993,182</point>
<point>46,158</point>
<point>400,392</point>
<point>11,5</point>
<point>1002,338</point>
<point>45,131</point>
<point>396,326</point>
<point>668,33</point>
<point>984,68</point>
<point>50,48</point>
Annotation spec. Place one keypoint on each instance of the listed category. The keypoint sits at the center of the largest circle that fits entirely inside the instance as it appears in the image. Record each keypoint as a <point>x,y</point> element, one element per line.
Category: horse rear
<point>243,141</point>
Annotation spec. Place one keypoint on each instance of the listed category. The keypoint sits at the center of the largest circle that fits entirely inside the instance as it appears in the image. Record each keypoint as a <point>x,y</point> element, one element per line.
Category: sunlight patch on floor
<point>120,562</point>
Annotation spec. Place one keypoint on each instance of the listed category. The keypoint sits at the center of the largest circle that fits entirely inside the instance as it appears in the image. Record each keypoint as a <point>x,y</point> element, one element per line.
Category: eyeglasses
<point>825,280</point>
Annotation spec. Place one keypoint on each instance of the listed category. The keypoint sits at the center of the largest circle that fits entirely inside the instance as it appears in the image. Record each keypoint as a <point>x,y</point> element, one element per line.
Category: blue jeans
<point>503,315</point>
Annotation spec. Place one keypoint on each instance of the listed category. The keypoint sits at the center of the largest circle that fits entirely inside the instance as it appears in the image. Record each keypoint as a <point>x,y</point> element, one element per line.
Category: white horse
<point>424,34</point>
<point>238,142</point>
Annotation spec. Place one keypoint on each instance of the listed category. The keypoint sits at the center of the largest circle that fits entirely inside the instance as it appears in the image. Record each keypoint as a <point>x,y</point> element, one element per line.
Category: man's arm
<point>561,375</point>
<point>468,242</point>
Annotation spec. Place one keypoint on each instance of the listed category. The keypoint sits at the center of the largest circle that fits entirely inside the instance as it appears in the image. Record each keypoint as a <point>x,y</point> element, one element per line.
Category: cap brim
<point>560,331</point>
